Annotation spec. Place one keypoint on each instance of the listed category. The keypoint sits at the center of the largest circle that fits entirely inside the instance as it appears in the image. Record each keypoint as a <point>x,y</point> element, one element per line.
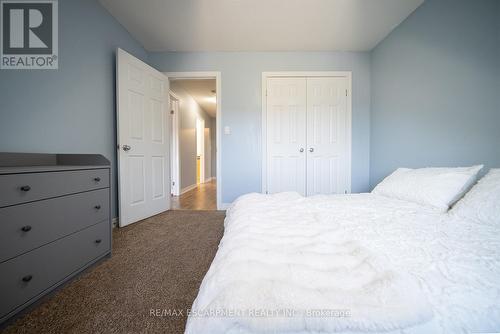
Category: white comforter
<point>348,264</point>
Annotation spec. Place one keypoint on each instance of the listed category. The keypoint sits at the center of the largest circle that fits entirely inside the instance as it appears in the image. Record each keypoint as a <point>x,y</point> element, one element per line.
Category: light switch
<point>227,130</point>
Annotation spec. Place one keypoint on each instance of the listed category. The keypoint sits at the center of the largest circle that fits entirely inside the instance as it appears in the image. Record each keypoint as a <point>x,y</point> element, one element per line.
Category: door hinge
<point>346,92</point>
<point>173,183</point>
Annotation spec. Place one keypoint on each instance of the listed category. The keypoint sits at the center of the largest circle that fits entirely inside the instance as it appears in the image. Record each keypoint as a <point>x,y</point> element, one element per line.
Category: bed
<point>349,264</point>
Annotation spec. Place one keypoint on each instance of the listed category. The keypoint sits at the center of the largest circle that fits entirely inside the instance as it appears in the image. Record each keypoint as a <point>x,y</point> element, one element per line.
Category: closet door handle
<point>301,150</point>
<point>311,150</point>
<point>25,188</point>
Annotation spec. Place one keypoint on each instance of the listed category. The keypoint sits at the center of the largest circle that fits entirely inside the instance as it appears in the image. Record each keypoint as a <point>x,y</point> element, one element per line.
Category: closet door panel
<point>286,135</point>
<point>326,136</point>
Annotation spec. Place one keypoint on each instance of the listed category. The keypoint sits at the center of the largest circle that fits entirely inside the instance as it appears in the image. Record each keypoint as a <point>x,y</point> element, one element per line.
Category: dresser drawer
<point>28,275</point>
<point>22,188</point>
<point>27,226</point>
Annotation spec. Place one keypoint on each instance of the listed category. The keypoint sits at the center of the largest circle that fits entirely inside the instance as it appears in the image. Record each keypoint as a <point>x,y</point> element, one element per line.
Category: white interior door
<point>200,146</point>
<point>174,146</point>
<point>208,155</point>
<point>143,139</point>
<point>286,135</point>
<point>327,131</point>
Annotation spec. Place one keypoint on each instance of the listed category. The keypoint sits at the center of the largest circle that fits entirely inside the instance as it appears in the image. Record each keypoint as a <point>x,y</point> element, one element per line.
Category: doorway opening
<point>195,170</point>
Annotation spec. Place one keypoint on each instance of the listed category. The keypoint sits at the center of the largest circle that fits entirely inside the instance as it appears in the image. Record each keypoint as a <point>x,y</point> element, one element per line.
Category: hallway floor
<point>203,197</point>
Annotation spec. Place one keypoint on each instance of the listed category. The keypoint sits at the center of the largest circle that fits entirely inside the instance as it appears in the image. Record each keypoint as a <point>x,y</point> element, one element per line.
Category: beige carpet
<point>156,264</point>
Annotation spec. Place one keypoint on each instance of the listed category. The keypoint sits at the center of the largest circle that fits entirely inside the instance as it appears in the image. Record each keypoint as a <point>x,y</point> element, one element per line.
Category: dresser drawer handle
<point>97,179</point>
<point>25,188</point>
<point>27,278</point>
<point>97,207</point>
<point>26,228</point>
<point>98,241</point>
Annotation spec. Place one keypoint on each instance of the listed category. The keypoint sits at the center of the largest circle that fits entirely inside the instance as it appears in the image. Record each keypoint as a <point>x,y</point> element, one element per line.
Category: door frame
<point>217,76</point>
<point>174,147</point>
<point>306,74</point>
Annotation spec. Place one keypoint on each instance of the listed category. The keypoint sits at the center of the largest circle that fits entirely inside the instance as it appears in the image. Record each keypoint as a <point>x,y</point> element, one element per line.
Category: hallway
<point>203,197</point>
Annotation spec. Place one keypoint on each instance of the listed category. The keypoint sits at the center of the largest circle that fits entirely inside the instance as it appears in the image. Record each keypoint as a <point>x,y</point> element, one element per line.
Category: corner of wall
<point>142,54</point>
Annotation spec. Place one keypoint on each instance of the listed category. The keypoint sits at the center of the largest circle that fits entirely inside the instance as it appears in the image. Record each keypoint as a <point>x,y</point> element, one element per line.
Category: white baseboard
<point>188,188</point>
<point>224,206</point>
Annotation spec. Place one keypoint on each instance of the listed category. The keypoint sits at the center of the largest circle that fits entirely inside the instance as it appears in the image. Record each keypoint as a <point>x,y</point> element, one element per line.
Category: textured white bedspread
<point>349,264</point>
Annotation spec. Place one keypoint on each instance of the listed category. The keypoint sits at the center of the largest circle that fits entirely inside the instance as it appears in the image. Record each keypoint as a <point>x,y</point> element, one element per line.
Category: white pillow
<point>436,187</point>
<point>482,202</point>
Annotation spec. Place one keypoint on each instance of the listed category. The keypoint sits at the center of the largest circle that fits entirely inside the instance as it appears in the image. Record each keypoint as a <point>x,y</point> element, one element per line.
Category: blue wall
<point>433,87</point>
<point>71,109</point>
<point>241,96</point>
<point>436,89</point>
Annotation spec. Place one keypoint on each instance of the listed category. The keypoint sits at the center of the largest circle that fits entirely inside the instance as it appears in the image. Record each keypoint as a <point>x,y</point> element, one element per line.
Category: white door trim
<point>265,76</point>
<point>174,156</point>
<point>217,76</point>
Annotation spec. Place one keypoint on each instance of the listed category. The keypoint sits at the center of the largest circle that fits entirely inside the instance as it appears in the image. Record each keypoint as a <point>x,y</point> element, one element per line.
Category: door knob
<point>301,150</point>
<point>126,148</point>
<point>311,150</point>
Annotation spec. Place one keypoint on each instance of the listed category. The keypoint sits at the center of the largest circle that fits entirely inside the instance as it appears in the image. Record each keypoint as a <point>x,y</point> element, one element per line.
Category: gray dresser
<point>54,222</point>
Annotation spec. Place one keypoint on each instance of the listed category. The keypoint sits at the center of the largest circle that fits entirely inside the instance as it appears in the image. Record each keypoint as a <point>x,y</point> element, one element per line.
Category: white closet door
<point>286,135</point>
<point>327,125</point>
<point>143,139</point>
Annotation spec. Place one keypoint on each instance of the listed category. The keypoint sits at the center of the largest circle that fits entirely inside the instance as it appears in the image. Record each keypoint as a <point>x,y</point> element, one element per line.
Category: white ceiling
<point>201,91</point>
<point>260,25</point>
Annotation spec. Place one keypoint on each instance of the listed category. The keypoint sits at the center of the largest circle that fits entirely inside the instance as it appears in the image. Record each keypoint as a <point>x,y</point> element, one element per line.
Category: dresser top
<point>11,163</point>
